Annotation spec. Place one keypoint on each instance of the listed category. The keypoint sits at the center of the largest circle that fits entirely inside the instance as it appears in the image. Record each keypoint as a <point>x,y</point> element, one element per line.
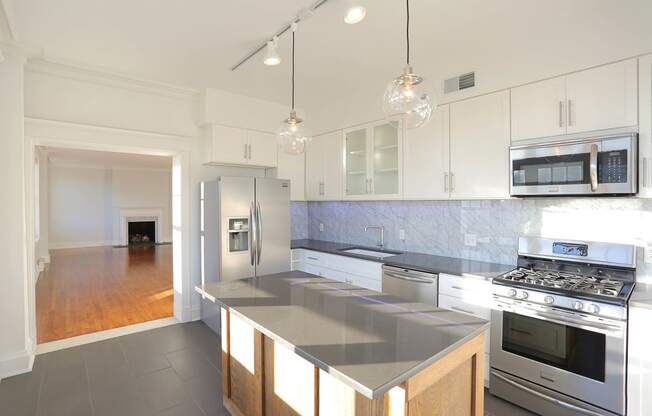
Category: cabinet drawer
<point>468,287</point>
<point>298,254</point>
<point>363,268</point>
<point>459,305</point>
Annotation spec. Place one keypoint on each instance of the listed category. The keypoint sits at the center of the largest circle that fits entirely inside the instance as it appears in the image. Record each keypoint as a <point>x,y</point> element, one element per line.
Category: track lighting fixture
<point>272,57</point>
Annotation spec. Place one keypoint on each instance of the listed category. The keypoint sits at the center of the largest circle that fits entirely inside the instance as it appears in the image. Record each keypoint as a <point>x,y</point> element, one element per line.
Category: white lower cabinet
<point>362,273</point>
<point>639,362</point>
<point>471,296</point>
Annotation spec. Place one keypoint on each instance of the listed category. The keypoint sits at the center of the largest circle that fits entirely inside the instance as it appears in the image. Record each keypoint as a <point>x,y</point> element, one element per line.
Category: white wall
<point>15,330</point>
<point>85,203</point>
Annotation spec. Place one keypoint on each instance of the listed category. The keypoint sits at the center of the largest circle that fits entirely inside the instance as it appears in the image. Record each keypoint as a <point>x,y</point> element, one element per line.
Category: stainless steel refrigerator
<point>245,231</point>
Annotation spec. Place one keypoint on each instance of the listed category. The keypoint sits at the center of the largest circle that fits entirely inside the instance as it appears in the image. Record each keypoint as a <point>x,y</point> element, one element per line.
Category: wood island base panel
<point>262,377</point>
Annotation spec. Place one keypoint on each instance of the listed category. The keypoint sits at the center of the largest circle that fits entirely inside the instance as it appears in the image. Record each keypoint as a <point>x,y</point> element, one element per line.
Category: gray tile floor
<point>171,371</point>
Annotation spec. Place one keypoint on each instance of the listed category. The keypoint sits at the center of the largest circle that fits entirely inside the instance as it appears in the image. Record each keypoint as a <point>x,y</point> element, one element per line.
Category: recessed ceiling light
<point>355,14</point>
<point>272,57</point>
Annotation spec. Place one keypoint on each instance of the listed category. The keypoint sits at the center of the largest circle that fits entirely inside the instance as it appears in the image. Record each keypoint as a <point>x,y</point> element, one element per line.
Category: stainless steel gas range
<point>559,327</point>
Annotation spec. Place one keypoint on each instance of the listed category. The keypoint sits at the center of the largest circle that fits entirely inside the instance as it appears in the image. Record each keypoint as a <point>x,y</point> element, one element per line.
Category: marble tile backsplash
<point>450,228</point>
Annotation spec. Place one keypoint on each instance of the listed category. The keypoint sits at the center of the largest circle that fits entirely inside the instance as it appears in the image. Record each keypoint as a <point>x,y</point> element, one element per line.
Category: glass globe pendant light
<point>405,99</point>
<point>293,137</point>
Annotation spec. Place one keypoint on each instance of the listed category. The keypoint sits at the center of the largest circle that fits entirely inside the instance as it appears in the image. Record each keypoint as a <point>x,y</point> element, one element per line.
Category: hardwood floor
<point>92,289</point>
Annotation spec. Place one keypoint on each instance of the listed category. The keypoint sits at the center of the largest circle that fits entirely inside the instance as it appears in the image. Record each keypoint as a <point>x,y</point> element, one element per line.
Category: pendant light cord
<point>407,29</point>
<point>293,69</point>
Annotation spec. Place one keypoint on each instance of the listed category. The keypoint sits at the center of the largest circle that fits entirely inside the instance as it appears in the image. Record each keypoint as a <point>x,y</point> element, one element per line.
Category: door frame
<point>40,132</point>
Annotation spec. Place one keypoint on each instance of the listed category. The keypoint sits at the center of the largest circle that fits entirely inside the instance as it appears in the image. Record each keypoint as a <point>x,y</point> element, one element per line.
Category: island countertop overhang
<point>368,340</point>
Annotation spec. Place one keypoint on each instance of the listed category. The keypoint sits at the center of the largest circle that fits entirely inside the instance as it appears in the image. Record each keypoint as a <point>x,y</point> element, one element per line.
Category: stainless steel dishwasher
<point>412,285</point>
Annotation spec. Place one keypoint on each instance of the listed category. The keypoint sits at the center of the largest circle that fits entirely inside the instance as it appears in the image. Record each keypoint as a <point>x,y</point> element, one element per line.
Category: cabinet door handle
<point>249,147</point>
<point>452,184</point>
<point>561,114</point>
<point>570,112</point>
<point>445,181</point>
<point>371,185</point>
<point>245,153</point>
<point>312,258</point>
<point>456,287</point>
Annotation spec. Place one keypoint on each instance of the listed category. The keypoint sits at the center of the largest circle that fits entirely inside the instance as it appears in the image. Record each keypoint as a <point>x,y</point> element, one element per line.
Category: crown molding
<point>80,72</point>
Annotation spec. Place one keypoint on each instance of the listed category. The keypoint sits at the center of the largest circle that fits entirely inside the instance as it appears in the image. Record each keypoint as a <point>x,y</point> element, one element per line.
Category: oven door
<point>561,352</point>
<point>604,166</point>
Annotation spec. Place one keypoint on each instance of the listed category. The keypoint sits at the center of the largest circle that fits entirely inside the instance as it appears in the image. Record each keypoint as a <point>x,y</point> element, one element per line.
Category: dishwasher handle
<point>409,278</point>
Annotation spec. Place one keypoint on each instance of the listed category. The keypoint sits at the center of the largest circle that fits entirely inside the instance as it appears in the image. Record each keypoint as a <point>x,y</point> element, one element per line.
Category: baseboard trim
<point>79,244</point>
<point>15,364</point>
<point>103,335</point>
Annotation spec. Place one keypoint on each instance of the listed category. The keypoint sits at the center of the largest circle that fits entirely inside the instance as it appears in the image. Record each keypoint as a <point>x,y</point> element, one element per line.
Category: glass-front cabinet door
<point>372,159</point>
<point>355,148</point>
<point>385,179</point>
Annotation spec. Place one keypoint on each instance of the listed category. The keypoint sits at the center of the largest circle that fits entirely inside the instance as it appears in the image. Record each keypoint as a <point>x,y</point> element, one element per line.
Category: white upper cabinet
<point>596,99</point>
<point>324,167</point>
<point>262,148</point>
<point>240,147</point>
<point>426,158</point>
<point>293,167</point>
<point>479,129</point>
<point>539,109</point>
<point>373,162</point>
<point>645,126</point>
<point>226,145</point>
<point>602,98</point>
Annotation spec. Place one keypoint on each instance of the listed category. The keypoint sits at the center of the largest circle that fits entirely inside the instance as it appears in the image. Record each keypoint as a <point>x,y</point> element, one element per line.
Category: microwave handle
<point>593,166</point>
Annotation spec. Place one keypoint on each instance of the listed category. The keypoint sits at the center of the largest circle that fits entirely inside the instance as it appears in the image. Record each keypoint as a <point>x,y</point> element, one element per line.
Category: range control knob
<point>524,295</point>
<point>593,308</point>
<point>511,293</point>
<point>548,300</point>
<point>578,305</point>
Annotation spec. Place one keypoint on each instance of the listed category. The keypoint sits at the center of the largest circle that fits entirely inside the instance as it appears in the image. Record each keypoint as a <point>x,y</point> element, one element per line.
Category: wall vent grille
<point>459,83</point>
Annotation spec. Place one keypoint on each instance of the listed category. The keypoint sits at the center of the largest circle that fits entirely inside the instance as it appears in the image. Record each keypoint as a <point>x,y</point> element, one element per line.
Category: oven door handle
<point>546,397</point>
<point>607,329</point>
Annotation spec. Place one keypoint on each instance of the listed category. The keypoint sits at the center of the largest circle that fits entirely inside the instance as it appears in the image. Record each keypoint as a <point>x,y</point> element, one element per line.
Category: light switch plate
<point>401,234</point>
<point>321,226</point>
<point>470,240</point>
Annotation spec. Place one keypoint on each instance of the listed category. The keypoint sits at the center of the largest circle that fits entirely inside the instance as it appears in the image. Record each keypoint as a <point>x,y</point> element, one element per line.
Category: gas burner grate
<point>574,282</point>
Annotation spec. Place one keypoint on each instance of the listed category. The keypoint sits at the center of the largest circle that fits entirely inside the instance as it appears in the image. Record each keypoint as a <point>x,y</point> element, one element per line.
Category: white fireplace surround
<point>128,215</point>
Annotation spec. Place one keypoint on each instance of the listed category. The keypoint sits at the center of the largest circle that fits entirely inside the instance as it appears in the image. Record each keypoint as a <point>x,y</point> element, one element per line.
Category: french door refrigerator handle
<point>252,231</point>
<point>259,233</point>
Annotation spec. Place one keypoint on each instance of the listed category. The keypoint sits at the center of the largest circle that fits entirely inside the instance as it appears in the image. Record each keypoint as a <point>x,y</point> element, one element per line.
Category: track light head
<point>272,57</point>
<point>355,14</point>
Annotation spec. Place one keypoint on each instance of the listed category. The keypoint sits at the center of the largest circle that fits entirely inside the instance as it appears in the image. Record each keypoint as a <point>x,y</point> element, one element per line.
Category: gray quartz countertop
<point>414,261</point>
<point>366,339</point>
<point>642,295</point>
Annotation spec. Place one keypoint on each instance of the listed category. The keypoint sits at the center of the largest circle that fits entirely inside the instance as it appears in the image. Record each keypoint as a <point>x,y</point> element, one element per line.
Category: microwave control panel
<point>612,166</point>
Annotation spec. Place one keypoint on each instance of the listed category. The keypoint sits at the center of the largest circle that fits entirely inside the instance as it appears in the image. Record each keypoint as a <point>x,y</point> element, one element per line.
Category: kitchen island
<point>297,344</point>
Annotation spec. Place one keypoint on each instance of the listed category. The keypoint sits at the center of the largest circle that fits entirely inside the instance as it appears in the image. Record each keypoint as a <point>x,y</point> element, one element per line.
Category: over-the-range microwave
<point>595,166</point>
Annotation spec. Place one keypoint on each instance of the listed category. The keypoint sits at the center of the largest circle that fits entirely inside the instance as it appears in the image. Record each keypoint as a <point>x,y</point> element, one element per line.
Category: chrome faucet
<point>381,241</point>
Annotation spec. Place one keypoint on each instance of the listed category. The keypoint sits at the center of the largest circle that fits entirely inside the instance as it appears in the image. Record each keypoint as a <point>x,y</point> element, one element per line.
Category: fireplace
<point>141,232</point>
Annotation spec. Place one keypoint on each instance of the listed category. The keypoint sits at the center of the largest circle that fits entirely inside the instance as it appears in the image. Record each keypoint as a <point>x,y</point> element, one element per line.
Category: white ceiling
<point>90,158</point>
<point>194,43</point>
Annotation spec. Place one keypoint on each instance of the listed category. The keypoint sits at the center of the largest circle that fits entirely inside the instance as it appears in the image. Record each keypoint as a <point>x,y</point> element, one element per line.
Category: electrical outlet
<point>470,240</point>
<point>401,234</point>
<point>321,226</point>
<point>648,254</point>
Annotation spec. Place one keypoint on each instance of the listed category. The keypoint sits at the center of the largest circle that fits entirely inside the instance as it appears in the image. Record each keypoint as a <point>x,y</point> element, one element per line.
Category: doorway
<point>170,258</point>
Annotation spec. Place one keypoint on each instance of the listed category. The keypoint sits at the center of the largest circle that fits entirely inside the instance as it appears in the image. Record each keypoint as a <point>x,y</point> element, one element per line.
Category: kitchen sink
<point>370,253</point>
